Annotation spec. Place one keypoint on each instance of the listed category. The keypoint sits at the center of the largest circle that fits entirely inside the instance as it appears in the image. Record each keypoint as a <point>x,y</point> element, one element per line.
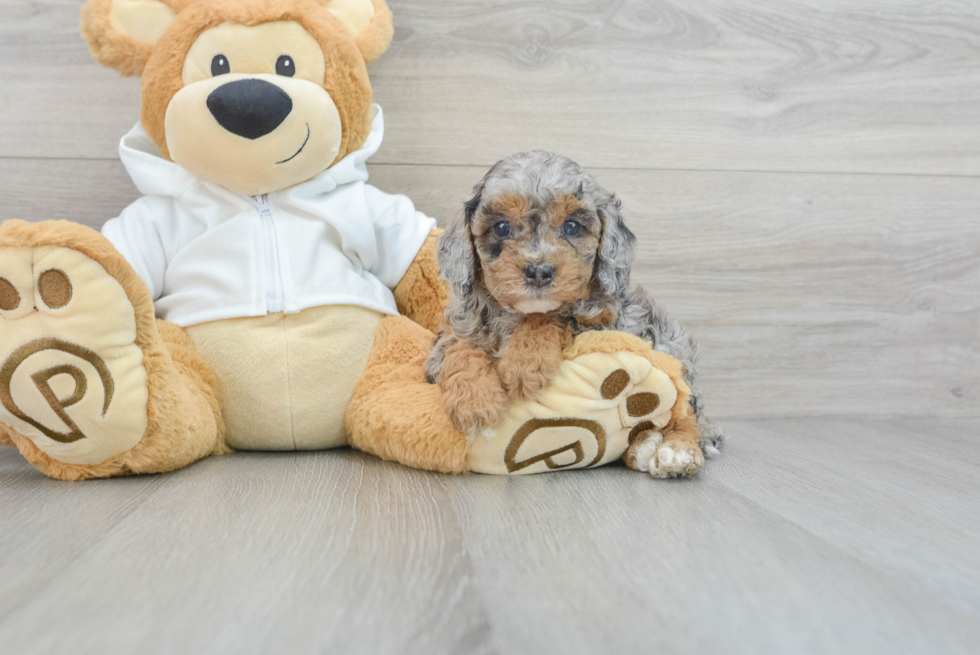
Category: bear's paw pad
<point>584,419</point>
<point>72,378</point>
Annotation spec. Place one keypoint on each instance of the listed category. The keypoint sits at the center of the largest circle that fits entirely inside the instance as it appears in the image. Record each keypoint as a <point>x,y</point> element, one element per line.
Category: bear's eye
<point>502,229</point>
<point>285,66</point>
<point>219,65</point>
<point>571,228</point>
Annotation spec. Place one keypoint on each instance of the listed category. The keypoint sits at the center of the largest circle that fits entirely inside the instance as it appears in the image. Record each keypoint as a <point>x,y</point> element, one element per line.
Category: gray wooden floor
<point>806,536</point>
<point>804,180</point>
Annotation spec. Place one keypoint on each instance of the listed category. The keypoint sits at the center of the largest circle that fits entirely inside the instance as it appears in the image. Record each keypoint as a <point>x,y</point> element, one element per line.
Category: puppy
<point>538,254</point>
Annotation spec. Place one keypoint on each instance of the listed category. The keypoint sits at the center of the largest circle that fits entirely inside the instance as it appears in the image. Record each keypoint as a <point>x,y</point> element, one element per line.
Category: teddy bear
<point>260,295</point>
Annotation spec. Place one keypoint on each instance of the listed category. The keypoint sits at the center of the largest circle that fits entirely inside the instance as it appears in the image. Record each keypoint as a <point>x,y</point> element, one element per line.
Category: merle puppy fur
<point>539,242</point>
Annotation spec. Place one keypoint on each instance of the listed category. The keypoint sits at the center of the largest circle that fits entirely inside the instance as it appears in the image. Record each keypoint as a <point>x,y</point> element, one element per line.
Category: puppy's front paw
<point>480,408</point>
<point>675,459</point>
<point>526,377</point>
<point>472,394</point>
<point>532,358</point>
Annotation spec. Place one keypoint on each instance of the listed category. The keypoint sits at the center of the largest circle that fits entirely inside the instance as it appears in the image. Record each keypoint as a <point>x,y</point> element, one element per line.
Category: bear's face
<point>254,95</point>
<point>254,108</point>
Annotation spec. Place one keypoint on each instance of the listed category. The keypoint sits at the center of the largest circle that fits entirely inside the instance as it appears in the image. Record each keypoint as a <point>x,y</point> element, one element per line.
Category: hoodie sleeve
<point>399,230</point>
<point>141,234</point>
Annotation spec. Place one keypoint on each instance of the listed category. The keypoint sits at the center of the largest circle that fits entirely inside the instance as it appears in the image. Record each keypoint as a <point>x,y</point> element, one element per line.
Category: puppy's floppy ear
<point>368,21</point>
<point>617,246</point>
<point>121,33</point>
<point>457,262</point>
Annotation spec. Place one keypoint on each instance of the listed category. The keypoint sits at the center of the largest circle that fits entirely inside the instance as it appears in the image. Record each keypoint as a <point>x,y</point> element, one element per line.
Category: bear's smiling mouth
<point>305,141</point>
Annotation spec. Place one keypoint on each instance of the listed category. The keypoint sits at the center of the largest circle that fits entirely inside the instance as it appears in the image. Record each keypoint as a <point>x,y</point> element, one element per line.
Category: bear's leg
<point>91,384</point>
<point>394,413</point>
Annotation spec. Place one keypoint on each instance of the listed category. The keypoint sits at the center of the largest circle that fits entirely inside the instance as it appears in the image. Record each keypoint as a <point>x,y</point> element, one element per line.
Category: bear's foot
<point>77,333</point>
<point>612,394</point>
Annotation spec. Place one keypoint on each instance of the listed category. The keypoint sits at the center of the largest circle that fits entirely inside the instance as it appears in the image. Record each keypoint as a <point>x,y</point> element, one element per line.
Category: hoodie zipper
<point>273,277</point>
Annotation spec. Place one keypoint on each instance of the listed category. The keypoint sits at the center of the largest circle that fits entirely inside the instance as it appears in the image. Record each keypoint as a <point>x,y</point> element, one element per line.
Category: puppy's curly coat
<point>538,254</point>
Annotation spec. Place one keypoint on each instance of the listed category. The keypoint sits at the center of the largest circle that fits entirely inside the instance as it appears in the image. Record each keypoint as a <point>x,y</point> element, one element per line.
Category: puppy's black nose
<point>249,108</point>
<point>539,275</point>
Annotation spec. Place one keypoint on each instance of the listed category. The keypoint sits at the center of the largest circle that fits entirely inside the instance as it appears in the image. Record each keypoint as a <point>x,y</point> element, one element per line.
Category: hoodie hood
<point>156,176</point>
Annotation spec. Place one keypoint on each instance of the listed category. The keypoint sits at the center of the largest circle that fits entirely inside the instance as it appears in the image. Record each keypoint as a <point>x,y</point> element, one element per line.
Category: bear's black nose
<point>250,108</point>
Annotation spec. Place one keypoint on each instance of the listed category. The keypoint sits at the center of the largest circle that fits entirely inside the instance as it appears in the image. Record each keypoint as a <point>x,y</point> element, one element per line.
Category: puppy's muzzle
<point>539,276</point>
<point>249,108</point>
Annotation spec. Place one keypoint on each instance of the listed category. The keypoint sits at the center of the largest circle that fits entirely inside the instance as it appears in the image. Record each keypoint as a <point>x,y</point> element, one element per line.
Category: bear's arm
<point>406,256</point>
<point>422,295</point>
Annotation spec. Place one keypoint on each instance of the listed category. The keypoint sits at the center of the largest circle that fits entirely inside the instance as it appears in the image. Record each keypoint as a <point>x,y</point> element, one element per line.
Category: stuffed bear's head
<point>254,95</point>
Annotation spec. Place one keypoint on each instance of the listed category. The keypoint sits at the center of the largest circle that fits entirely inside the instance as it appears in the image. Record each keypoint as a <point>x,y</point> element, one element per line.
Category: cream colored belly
<point>286,379</point>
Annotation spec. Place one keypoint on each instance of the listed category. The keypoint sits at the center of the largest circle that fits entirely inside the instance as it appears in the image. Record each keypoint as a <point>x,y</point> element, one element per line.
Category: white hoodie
<point>207,253</point>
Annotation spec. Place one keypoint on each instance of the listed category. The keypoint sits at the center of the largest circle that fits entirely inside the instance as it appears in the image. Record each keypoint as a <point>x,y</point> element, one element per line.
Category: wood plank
<point>900,495</point>
<point>612,564</point>
<point>779,545</point>
<point>811,294</point>
<point>843,85</point>
<point>253,553</point>
<point>85,191</point>
<point>46,524</point>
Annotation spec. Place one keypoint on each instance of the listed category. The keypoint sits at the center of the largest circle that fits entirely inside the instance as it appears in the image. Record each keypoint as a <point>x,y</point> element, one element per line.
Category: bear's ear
<point>368,20</point>
<point>121,33</point>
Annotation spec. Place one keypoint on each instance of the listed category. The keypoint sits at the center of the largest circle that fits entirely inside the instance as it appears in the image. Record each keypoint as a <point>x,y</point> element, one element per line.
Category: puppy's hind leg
<point>671,453</point>
<point>644,317</point>
<point>711,436</point>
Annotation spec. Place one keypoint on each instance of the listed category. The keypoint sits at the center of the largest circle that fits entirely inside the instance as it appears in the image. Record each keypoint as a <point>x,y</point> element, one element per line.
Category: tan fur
<point>346,78</point>
<point>533,355</point>
<point>504,276</point>
<point>502,261</point>
<point>472,392</point>
<point>184,422</point>
<point>373,41</point>
<point>161,64</point>
<point>288,378</point>
<point>606,319</point>
<point>195,371</point>
<point>394,413</point>
<point>562,207</point>
<point>511,206</point>
<point>303,145</point>
<point>573,272</point>
<point>422,294</point>
<point>111,47</point>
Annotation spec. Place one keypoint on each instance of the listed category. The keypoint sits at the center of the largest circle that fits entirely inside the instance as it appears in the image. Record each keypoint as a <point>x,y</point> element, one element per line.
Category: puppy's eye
<point>219,65</point>
<point>285,66</point>
<point>571,228</point>
<point>502,230</point>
